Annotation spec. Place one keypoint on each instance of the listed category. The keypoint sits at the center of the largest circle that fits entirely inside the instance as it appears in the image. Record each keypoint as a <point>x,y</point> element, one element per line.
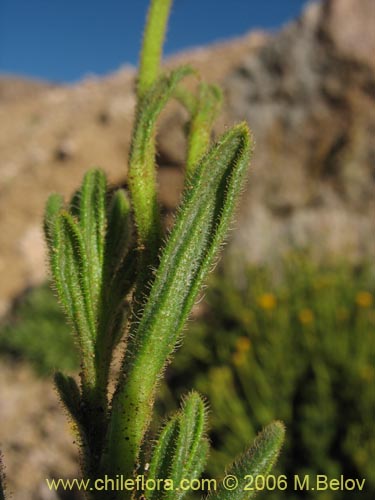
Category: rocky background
<point>307,92</point>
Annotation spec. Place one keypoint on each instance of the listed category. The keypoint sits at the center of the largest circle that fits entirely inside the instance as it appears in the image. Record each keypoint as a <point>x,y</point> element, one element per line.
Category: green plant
<point>296,343</point>
<point>35,331</point>
<point>141,290</point>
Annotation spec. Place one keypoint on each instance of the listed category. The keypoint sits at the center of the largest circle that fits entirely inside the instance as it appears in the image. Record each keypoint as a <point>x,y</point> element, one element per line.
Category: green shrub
<point>35,331</point>
<point>297,346</point>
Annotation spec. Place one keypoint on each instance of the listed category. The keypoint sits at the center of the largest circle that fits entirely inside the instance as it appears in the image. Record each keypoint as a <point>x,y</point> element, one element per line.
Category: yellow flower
<point>267,301</point>
<point>364,299</point>
<point>306,316</point>
<point>243,344</point>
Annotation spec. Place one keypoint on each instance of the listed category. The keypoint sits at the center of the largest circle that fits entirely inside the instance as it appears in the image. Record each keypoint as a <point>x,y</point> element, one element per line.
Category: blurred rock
<point>349,24</point>
<point>33,255</point>
<point>65,150</point>
<point>309,97</point>
<point>16,89</point>
<point>171,182</point>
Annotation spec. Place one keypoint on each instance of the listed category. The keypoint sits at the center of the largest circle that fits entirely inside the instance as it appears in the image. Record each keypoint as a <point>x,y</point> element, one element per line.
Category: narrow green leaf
<point>75,204</point>
<point>69,268</point>
<point>115,302</point>
<point>208,106</point>
<point>257,461</point>
<point>113,318</point>
<point>142,172</point>
<point>118,232</point>
<point>200,228</point>
<point>178,453</point>
<point>193,427</point>
<point>186,98</point>
<point>200,461</point>
<point>92,221</point>
<point>163,455</point>
<point>69,394</point>
<point>119,275</point>
<point>85,418</point>
<point>189,461</point>
<point>54,205</point>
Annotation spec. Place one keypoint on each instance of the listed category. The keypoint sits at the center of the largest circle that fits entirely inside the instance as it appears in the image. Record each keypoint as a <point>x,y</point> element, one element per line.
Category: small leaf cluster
<point>92,274</point>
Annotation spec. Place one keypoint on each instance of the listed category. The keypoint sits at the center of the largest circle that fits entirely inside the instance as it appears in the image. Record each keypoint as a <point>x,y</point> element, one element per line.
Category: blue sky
<point>64,40</point>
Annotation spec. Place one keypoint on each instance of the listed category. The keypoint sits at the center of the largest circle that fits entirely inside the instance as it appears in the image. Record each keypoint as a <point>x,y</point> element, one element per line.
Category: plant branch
<point>152,46</point>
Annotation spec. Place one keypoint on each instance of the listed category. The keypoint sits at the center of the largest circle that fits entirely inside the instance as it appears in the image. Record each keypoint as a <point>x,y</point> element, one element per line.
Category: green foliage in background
<point>35,331</point>
<point>296,343</point>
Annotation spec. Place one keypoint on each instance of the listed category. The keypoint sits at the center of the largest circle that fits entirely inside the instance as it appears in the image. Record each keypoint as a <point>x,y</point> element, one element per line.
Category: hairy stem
<point>142,175</point>
<point>152,47</point>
